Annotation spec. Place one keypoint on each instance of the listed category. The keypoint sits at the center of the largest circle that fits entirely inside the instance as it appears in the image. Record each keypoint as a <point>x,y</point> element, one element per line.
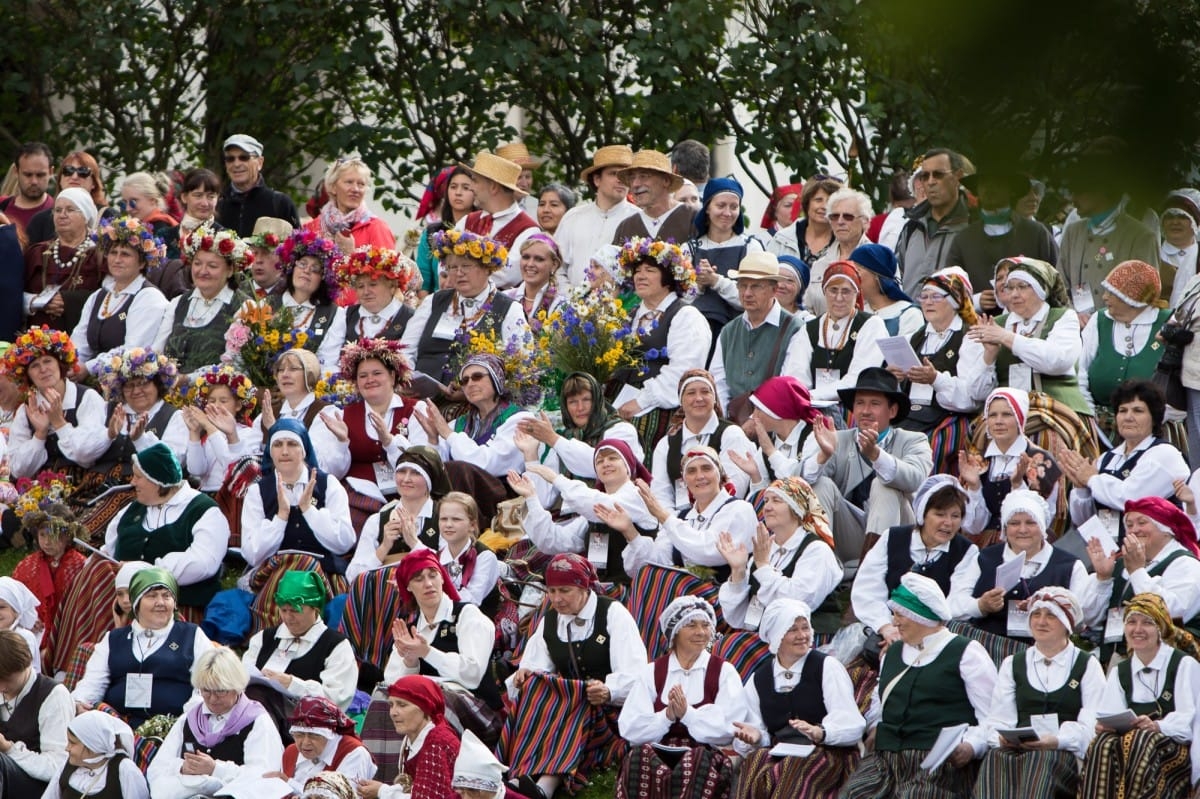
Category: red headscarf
<point>318,712</point>
<point>435,192</point>
<point>422,692</point>
<point>768,220</point>
<point>847,270</point>
<point>415,562</point>
<point>1162,512</point>
<point>568,568</point>
<point>637,469</point>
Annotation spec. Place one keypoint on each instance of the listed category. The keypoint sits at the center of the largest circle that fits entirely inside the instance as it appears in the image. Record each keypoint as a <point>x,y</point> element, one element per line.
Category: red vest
<point>345,746</point>
<point>477,224</point>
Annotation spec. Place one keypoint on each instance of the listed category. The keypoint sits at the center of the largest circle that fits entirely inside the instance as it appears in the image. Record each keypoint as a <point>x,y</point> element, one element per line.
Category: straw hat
<point>610,155</point>
<point>495,168</point>
<point>652,161</point>
<point>757,266</point>
<point>518,153</point>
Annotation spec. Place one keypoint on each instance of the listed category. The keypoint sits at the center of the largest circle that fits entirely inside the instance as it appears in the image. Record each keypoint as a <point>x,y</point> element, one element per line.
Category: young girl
<point>122,612</point>
<point>99,760</point>
<point>51,570</point>
<point>473,567</point>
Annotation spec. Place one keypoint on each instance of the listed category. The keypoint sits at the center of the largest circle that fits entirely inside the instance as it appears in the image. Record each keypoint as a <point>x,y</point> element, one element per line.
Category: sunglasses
<point>231,157</point>
<point>933,174</point>
<point>842,217</point>
<point>81,171</point>
<point>474,377</point>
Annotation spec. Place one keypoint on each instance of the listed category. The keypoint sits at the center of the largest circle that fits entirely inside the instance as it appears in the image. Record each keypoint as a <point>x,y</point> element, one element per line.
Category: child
<point>99,755</point>
<point>50,570</point>
<point>123,609</point>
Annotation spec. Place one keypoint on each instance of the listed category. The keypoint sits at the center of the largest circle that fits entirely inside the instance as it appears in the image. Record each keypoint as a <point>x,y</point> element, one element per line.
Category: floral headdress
<point>389,353</point>
<point>306,242</point>
<point>224,243</point>
<point>133,232</point>
<point>121,366</point>
<point>489,252</point>
<point>239,385</point>
<point>664,254</point>
<point>376,263</point>
<point>33,344</point>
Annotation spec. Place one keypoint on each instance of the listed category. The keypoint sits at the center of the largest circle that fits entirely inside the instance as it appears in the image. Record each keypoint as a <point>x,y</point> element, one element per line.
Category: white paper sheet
<point>898,352</point>
<point>1097,529</point>
<point>1121,722</point>
<point>943,747</point>
<point>1008,573</point>
<point>791,750</point>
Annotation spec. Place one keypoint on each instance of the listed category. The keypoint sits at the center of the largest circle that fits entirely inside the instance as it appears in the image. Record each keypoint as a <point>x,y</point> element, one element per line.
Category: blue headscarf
<point>803,272</point>
<point>296,427</point>
<point>712,189</point>
<point>881,261</point>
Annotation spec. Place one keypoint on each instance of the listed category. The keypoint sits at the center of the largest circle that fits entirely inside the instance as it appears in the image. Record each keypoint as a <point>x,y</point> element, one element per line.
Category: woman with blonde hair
<point>143,195</point>
<point>346,218</point>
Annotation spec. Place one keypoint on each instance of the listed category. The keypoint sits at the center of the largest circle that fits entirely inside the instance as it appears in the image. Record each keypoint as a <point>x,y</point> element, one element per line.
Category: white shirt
<point>688,341</point>
<point>332,455</point>
<point>82,443</point>
<point>1178,585</point>
<point>54,715</point>
<point>356,765</point>
<point>1154,476</point>
<point>889,234</point>
<point>513,326</point>
<point>1073,736</point>
<point>370,325</point>
<point>1147,687</point>
<point>483,578</point>
<point>175,434</point>
<point>695,535</point>
<point>330,347</point>
<point>578,456</point>
<point>262,537</point>
<point>843,723</point>
<point>366,558</point>
<point>816,574</point>
<point>582,231</point>
<point>143,308</point>
<point>91,781</point>
<point>1184,262</point>
<point>954,391</point>
<point>710,724</point>
<point>909,314</point>
<point>391,452</point>
<point>210,459</point>
<point>786,459</point>
<point>866,353</point>
<point>510,275</point>
<point>97,678</point>
<point>339,677</point>
<point>263,753</point>
<point>732,440</point>
<point>463,669</point>
<point>1138,331</point>
<point>626,651</point>
<point>1055,355</point>
<point>869,593</point>
<point>964,605</point>
<point>496,457</point>
<point>210,537</point>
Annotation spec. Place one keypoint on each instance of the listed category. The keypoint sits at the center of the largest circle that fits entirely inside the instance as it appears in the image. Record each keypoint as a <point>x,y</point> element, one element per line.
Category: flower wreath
<point>33,344</point>
<point>238,384</point>
<point>304,243</point>
<point>132,232</point>
<point>121,366</point>
<point>224,243</point>
<point>491,254</point>
<point>389,353</point>
<point>666,255</point>
<point>376,263</point>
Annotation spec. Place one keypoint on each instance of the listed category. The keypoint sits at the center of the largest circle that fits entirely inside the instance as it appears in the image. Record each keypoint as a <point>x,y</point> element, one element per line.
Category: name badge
<point>828,379</point>
<point>1082,299</point>
<point>139,690</point>
<point>1044,723</point>
<point>754,613</point>
<point>385,477</point>
<point>921,393</point>
<point>597,553</point>
<point>1020,376</point>
<point>1018,621</point>
<point>1114,626</point>
<point>446,328</point>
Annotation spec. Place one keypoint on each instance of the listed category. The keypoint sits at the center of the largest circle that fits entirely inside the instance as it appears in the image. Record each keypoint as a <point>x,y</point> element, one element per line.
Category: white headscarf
<point>104,734</point>
<point>1022,500</point>
<point>127,570</point>
<point>779,617</point>
<point>83,201</point>
<point>21,599</point>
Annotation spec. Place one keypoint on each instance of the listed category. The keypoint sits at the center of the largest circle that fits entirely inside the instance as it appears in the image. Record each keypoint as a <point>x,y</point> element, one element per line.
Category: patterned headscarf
<point>568,568</point>
<point>1154,608</point>
<point>316,714</point>
<point>803,501</point>
<point>959,291</point>
<point>1060,602</point>
<point>329,785</point>
<point>683,610</point>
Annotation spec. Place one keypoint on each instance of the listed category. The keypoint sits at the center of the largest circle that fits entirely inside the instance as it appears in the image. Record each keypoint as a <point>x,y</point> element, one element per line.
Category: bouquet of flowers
<point>335,389</point>
<point>525,364</point>
<point>34,493</point>
<point>591,332</point>
<point>257,337</point>
<point>156,727</point>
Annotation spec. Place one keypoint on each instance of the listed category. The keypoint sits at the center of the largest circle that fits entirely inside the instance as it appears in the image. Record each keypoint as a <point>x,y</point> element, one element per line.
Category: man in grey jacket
<point>924,245</point>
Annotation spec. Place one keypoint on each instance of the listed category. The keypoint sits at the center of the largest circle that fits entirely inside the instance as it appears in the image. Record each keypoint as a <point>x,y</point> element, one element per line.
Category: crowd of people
<point>854,505</point>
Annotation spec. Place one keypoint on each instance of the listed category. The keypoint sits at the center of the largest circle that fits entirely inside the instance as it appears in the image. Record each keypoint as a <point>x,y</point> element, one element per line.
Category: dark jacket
<point>924,245</point>
<point>978,253</point>
<point>240,210</point>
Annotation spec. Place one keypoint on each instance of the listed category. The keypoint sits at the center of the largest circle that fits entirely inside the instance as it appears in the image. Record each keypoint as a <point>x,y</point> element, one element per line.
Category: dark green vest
<point>1111,368</point>
<point>134,542</point>
<point>1064,388</point>
<point>747,353</point>
<point>1166,697</point>
<point>924,699</point>
<point>1066,700</point>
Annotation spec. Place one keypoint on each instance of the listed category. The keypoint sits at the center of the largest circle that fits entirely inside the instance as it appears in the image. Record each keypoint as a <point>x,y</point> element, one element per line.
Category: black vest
<point>55,460</point>
<point>112,781</point>
<point>923,418</point>
<point>720,573</point>
<point>716,310</point>
<point>428,535</point>
<point>446,640</point>
<point>309,665</point>
<point>824,358</point>
<point>614,569</point>
<point>1056,572</point>
<point>587,659</point>
<point>120,451</point>
<point>805,702</point>
<point>22,725</point>
<point>296,533</point>
<point>197,347</point>
<point>433,354</point>
<point>108,334</point>
<point>653,340</point>
<point>231,747</point>
<point>316,325</point>
<point>824,616</point>
<point>392,331</point>
<point>1166,699</point>
<point>900,563</point>
<point>675,449</point>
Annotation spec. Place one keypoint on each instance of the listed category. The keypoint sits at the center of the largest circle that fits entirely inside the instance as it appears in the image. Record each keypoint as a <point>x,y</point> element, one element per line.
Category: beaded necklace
<point>71,266</point>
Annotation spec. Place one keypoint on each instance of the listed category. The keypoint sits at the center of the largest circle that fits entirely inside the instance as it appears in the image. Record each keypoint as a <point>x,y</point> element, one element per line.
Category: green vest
<point>747,353</point>
<point>1064,388</point>
<point>923,700</point>
<point>135,542</point>
<point>1112,368</point>
<point>1066,701</point>
<point>1166,698</point>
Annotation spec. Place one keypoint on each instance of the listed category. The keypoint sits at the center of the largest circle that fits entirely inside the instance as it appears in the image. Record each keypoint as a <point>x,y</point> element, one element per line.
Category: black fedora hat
<point>881,381</point>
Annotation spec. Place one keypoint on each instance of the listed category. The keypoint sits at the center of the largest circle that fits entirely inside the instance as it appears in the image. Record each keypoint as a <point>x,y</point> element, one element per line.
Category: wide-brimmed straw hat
<point>652,161</point>
<point>610,155</point>
<point>757,266</point>
<point>493,167</point>
<point>518,153</point>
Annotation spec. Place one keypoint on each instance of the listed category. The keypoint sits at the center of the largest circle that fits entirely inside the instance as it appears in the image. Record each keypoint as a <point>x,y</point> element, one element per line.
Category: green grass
<point>9,559</point>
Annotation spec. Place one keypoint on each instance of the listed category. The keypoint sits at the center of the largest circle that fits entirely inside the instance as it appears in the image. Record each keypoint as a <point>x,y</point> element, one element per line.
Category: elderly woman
<point>840,343</point>
<point>77,170</point>
<point>1035,345</point>
<point>193,328</point>
<point>791,557</point>
<point>538,291</point>
<point>303,657</point>
<point>794,277</point>
<point>324,742</point>
<point>1159,556</point>
<point>468,302</point>
<point>141,670</point>
<point>35,734</point>
<point>346,217</point>
<point>1053,689</point>
<point>580,664</point>
<point>448,199</point>
<point>296,504</point>
<point>99,760</point>
<point>297,373</point>
<point>222,735</point>
<point>1121,342</point>
<point>1148,756</point>
<point>448,640</point>
<point>311,290</point>
<point>61,424</point>
<point>418,711</point>
<point>687,699</point>
<point>220,429</point>
<point>978,597</point>
<point>171,525</point>
<point>126,310</point>
<point>591,530</point>
<point>62,272</point>
<point>51,569</point>
<point>673,336</point>
<point>143,196</point>
<point>848,212</point>
<point>781,423</point>
<point>933,547</point>
<point>379,278</point>
<point>934,679</point>
<point>812,236</point>
<point>799,696</point>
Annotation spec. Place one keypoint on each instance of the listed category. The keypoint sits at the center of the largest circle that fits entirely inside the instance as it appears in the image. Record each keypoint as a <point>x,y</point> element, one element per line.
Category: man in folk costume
<point>589,226</point>
<point>653,184</point>
<point>499,217</point>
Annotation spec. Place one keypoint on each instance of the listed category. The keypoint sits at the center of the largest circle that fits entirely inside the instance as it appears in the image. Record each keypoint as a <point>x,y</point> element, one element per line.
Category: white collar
<point>781,673</point>
<point>1147,316</point>
<point>444,610</point>
<point>1016,449</point>
<point>674,666</point>
<point>709,428</point>
<point>916,544</point>
<point>289,301</point>
<point>134,286</point>
<point>1038,316</point>
<point>312,634</point>
<point>140,632</point>
<point>717,503</point>
<point>772,317</point>
<point>643,308</point>
<point>481,296</point>
<point>1158,662</point>
<point>223,296</point>
<point>1042,557</point>
<point>419,741</point>
<point>385,313</point>
<point>296,410</point>
<point>955,324</point>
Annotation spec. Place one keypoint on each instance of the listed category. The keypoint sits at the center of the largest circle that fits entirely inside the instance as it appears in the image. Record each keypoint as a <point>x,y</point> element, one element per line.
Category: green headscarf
<point>154,577</point>
<point>299,588</point>
<point>603,414</point>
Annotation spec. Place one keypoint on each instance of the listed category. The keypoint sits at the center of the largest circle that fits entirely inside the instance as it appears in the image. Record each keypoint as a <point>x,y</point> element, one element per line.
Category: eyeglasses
<point>81,171</point>
<point>842,217</point>
<point>217,692</point>
<point>461,267</point>
<point>231,157</point>
<point>311,269</point>
<point>474,377</point>
<point>931,296</point>
<point>933,174</point>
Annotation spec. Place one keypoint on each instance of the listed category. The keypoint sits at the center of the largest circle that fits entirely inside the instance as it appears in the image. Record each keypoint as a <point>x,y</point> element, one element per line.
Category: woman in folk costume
<point>477,772</point>
<point>798,696</point>
<point>418,711</point>
<point>929,680</point>
<point>100,762</point>
<point>1053,687</point>
<point>686,698</point>
<point>1151,757</point>
<point>324,743</point>
<point>578,667</point>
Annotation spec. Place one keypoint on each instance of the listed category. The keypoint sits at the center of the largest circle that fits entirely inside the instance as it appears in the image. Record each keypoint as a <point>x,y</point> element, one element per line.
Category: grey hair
<point>862,203</point>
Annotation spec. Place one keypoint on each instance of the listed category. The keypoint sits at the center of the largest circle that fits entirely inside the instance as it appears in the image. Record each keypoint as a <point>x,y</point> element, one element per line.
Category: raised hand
<point>651,502</point>
<point>306,496</point>
<point>337,425</point>
<point>521,484</point>
<point>381,428</point>
<point>268,410</point>
<point>617,518</point>
<point>747,463</point>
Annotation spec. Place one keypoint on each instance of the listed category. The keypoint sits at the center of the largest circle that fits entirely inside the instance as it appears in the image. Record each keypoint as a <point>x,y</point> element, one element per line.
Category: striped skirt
<point>946,440</point>
<point>553,730</point>
<point>362,507</point>
<point>699,773</point>
<point>86,611</point>
<point>818,776</point>
<point>1030,774</point>
<point>380,738</point>
<point>1136,765</point>
<point>998,646</point>
<point>743,650</point>
<point>651,427</point>
<point>96,517</point>
<point>373,604</point>
<point>652,589</point>
<point>898,775</point>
